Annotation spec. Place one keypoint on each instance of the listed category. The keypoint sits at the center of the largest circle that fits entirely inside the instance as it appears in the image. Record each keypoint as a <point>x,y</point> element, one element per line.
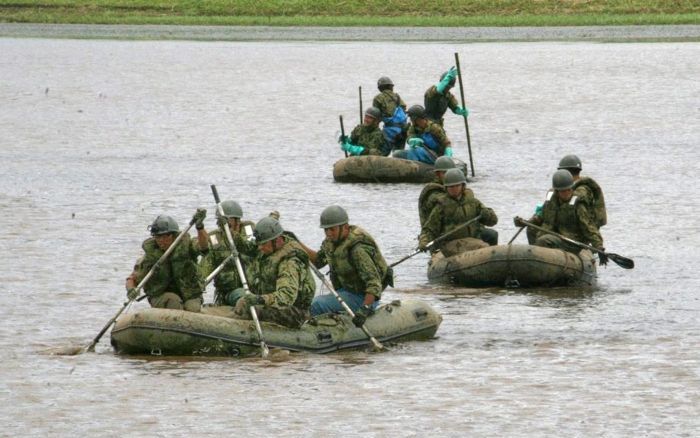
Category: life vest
<point>179,273</point>
<point>598,201</point>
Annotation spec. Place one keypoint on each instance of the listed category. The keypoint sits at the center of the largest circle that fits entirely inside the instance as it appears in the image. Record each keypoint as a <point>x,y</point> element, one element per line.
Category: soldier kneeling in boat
<point>454,209</point>
<point>177,282</point>
<point>366,138</point>
<point>280,278</point>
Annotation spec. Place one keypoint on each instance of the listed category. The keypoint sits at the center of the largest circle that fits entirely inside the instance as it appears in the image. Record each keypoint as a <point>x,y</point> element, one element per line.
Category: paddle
<point>362,116</point>
<point>328,284</point>
<point>342,133</point>
<point>171,248</point>
<point>516,235</point>
<point>621,261</point>
<point>464,105</point>
<point>264,351</point>
<point>437,240</point>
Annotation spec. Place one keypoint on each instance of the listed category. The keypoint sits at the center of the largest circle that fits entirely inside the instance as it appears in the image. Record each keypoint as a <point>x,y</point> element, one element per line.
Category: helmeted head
<point>374,113</point>
<point>443,164</point>
<point>452,81</point>
<point>231,210</point>
<point>266,229</point>
<point>570,162</point>
<point>416,112</point>
<point>384,82</point>
<point>333,216</point>
<point>562,180</point>
<point>163,224</point>
<point>454,177</point>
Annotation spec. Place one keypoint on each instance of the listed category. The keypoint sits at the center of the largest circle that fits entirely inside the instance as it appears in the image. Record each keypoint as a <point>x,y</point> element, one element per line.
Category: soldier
<point>227,280</point>
<point>585,188</point>
<point>177,282</point>
<point>438,98</point>
<point>568,215</point>
<point>433,190</point>
<point>458,207</point>
<point>280,278</point>
<point>393,110</point>
<point>358,270</point>
<point>426,138</point>
<point>366,138</point>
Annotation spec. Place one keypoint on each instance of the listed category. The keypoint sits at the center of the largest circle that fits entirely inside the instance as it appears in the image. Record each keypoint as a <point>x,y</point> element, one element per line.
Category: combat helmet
<point>384,82</point>
<point>163,225</point>
<point>231,210</point>
<point>267,229</point>
<point>443,164</point>
<point>570,162</point>
<point>374,112</point>
<point>562,180</point>
<point>332,216</point>
<point>454,177</point>
<point>416,112</point>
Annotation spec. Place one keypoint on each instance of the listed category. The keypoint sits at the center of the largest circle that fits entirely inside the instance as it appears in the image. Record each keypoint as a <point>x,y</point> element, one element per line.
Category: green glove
<point>352,149</point>
<point>233,296</point>
<point>415,142</point>
<point>198,218</point>
<point>361,315</point>
<point>448,151</point>
<point>538,210</point>
<point>132,293</point>
<point>464,112</point>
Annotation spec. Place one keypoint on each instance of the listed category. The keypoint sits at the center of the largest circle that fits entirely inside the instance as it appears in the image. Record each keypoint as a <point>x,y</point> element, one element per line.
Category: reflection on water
<point>98,137</point>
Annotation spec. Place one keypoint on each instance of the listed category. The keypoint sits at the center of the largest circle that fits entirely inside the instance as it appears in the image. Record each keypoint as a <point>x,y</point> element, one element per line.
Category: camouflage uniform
<point>386,102</point>
<point>449,213</point>
<point>356,263</point>
<point>177,283</point>
<point>284,280</point>
<point>436,104</point>
<point>437,133</point>
<point>370,137</point>
<point>428,199</point>
<point>219,249</point>
<point>573,219</point>
<point>589,190</point>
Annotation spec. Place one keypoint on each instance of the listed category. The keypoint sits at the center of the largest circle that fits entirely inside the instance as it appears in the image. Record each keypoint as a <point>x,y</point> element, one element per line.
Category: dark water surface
<point>98,137</point>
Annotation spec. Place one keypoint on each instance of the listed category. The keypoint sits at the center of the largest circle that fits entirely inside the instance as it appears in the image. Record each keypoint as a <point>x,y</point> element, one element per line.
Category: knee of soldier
<point>490,236</point>
<point>193,305</point>
<point>548,241</point>
<point>168,300</point>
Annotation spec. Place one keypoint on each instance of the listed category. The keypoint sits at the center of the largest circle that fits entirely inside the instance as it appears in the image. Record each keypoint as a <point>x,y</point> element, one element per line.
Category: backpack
<point>598,204</point>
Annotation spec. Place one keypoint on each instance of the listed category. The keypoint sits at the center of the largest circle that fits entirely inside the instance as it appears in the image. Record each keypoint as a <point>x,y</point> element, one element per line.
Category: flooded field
<point>99,137</point>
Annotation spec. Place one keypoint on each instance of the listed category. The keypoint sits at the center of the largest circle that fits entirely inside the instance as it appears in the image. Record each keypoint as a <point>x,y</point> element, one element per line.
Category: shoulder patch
<point>548,196</point>
<point>573,200</point>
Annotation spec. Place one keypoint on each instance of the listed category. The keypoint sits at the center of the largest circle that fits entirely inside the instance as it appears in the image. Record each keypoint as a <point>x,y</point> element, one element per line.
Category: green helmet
<point>384,81</point>
<point>570,162</point>
<point>454,177</point>
<point>443,164</point>
<point>332,216</point>
<point>163,225</point>
<point>374,112</point>
<point>231,210</point>
<point>416,112</point>
<point>562,180</point>
<point>267,229</point>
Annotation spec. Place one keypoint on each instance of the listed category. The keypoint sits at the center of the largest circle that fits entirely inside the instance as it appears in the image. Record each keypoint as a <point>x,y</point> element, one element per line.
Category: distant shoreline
<point>664,33</point>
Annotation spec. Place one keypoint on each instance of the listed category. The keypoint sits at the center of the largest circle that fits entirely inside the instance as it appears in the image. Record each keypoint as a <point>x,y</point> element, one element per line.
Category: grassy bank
<point>355,13</point>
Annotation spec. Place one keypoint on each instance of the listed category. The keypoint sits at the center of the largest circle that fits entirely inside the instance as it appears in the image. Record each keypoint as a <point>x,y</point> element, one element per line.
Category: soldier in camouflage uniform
<point>568,215</point>
<point>177,283</point>
<point>427,139</point>
<point>585,189</point>
<point>428,198</point>
<point>438,98</point>
<point>227,282</point>
<point>458,207</point>
<point>358,270</point>
<point>366,138</point>
<point>393,110</point>
<point>280,279</point>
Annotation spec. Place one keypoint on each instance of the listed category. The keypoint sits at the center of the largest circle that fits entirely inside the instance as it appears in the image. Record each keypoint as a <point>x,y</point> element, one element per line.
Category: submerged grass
<point>355,13</point>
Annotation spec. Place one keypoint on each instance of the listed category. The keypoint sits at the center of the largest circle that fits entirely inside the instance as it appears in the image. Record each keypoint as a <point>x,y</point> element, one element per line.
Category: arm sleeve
<point>431,229</point>
<point>321,258</point>
<point>488,216</point>
<point>367,269</point>
<point>587,225</point>
<point>287,285</point>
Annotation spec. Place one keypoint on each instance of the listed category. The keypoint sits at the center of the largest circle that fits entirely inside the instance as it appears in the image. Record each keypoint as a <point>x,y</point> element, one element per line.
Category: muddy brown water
<point>98,137</point>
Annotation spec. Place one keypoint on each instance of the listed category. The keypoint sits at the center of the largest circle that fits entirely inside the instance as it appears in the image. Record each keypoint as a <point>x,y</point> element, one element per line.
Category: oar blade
<point>621,261</point>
